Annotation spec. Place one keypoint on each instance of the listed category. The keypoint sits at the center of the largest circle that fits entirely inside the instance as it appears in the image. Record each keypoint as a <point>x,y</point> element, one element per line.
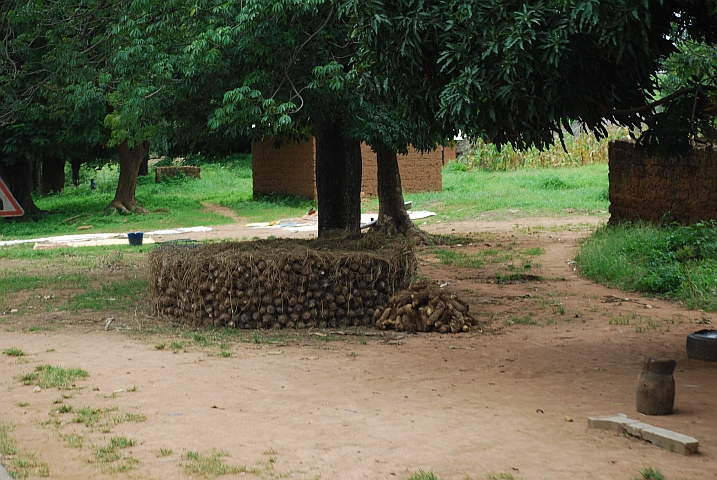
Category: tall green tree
<point>269,55</point>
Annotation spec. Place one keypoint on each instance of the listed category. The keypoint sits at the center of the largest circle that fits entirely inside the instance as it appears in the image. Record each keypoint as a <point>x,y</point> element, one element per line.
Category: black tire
<point>702,345</point>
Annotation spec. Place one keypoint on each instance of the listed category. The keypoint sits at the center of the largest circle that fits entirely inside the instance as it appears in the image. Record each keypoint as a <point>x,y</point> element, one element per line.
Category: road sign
<point>8,205</point>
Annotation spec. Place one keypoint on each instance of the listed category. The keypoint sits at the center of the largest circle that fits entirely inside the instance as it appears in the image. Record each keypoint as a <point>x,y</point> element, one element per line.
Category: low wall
<point>420,172</point>
<point>656,189</point>
<point>290,170</point>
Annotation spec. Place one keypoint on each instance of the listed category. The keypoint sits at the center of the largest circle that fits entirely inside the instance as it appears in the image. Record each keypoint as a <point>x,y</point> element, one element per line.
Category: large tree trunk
<point>52,177</point>
<point>338,178</point>
<point>20,179</point>
<point>76,163</point>
<point>144,166</point>
<point>130,160</point>
<point>392,216</point>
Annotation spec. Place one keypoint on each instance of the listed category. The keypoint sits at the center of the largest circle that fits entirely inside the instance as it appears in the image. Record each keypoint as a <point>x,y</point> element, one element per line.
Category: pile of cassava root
<point>280,283</point>
<point>425,308</point>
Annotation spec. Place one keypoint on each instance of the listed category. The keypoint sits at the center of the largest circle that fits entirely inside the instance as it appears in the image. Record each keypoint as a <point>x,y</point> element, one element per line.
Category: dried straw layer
<point>280,283</point>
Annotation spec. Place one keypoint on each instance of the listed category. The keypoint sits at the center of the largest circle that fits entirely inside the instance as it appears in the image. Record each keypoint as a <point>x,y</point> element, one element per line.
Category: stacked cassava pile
<point>280,283</point>
<point>425,308</point>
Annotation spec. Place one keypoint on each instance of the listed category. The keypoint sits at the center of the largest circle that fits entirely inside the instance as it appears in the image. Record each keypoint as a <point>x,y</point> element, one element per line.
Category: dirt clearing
<point>512,398</point>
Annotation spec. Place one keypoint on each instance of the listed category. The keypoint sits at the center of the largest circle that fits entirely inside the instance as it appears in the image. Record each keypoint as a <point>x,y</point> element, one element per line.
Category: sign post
<point>8,205</point>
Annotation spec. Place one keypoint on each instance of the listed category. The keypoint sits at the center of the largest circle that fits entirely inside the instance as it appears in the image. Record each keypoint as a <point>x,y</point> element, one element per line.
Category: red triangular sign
<point>8,205</point>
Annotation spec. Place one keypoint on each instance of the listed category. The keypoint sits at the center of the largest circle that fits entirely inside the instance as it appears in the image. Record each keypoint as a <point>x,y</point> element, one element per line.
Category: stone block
<point>615,423</point>
<point>661,437</point>
<point>672,441</point>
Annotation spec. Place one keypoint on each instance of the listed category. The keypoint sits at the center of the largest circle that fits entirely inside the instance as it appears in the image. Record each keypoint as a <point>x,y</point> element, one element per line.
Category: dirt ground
<point>510,399</point>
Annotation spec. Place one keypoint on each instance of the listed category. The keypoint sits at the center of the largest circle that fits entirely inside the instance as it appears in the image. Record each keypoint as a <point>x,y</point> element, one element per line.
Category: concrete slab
<point>672,441</point>
<point>635,428</point>
<point>611,422</point>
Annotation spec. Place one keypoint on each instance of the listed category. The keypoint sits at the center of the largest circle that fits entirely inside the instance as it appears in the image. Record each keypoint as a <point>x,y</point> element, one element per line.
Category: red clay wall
<point>419,172</point>
<point>450,154</point>
<point>682,189</point>
<point>290,169</point>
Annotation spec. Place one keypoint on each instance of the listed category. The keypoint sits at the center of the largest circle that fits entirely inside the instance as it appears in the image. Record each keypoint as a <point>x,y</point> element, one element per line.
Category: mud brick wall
<point>160,172</point>
<point>680,189</point>
<point>420,172</point>
<point>450,154</point>
<point>288,170</point>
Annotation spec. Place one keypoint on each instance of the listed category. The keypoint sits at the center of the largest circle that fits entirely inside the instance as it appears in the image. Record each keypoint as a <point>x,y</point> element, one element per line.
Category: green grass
<point>48,376</point>
<point>164,452</point>
<point>19,464</point>
<point>88,416</point>
<point>74,440</point>
<point>649,473</point>
<point>115,295</point>
<point>13,352</point>
<point>212,464</point>
<point>504,195</point>
<point>677,262</point>
<point>12,283</point>
<point>129,417</point>
<point>110,460</point>
<point>421,475</point>
<point>478,259</point>
<point>526,320</point>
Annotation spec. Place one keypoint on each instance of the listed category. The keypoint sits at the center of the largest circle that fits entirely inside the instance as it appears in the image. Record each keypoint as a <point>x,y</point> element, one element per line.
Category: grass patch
<point>649,473</point>
<point>41,328</point>
<point>117,295</point>
<point>129,417</point>
<point>526,320</point>
<point>677,262</point>
<point>110,460</point>
<point>14,283</point>
<point>74,440</point>
<point>504,195</point>
<point>212,464</point>
<point>18,463</point>
<point>164,452</point>
<point>421,475</point>
<point>48,376</point>
<point>13,352</point>
<point>478,259</point>
<point>88,416</point>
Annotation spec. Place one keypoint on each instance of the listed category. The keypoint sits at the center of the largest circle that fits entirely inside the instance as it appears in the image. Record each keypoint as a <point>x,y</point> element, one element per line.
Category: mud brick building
<point>290,170</point>
<point>656,188</point>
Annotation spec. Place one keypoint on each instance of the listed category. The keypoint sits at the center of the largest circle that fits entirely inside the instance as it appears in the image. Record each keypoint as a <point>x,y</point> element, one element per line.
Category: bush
<point>674,261</point>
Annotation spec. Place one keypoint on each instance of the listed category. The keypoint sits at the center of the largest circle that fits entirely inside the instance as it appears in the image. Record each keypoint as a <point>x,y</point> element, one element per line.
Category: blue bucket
<point>135,239</point>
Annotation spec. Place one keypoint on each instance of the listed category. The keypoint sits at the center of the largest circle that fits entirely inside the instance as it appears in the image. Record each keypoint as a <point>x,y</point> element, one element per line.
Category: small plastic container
<point>135,238</point>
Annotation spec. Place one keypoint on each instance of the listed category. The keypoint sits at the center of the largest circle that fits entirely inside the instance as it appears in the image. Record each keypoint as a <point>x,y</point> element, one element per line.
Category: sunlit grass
<point>49,376</point>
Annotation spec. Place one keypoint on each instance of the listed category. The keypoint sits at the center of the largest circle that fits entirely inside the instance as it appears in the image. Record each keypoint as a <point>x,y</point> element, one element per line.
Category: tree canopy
<point>520,72</point>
